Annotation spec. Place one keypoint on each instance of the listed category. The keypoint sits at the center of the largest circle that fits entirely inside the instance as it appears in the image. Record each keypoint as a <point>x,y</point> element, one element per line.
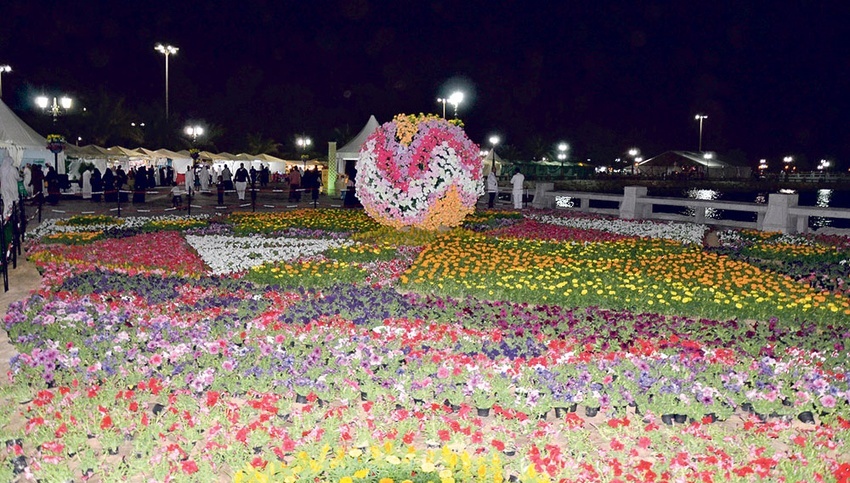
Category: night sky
<point>773,77</point>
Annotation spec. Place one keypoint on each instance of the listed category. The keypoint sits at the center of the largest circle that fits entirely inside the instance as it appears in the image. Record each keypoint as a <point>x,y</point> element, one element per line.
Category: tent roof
<point>211,156</point>
<point>122,151</point>
<point>268,158</point>
<point>87,151</point>
<point>670,158</point>
<point>352,149</point>
<point>171,154</point>
<point>15,131</point>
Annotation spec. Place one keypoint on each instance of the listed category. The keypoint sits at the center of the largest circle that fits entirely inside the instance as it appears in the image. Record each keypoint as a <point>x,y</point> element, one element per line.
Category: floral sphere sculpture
<point>419,171</point>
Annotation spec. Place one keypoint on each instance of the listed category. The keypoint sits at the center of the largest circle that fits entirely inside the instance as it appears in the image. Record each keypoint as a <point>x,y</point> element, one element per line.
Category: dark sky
<point>604,76</point>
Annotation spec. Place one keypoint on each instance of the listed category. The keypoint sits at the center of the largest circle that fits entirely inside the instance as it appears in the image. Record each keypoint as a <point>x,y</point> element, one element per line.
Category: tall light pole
<point>700,118</point>
<point>3,69</point>
<point>303,143</point>
<point>193,131</point>
<point>166,50</point>
<point>494,140</point>
<point>56,108</point>
<point>562,154</point>
<point>635,154</point>
<point>454,99</point>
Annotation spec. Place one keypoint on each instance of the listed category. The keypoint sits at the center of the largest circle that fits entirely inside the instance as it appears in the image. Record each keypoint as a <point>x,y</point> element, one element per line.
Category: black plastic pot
<point>667,419</point>
<point>806,417</point>
<point>483,412</point>
<point>680,418</point>
<point>591,411</point>
<point>300,399</point>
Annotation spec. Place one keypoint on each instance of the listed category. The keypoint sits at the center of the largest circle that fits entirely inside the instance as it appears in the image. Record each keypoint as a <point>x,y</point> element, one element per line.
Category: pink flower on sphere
<point>419,171</point>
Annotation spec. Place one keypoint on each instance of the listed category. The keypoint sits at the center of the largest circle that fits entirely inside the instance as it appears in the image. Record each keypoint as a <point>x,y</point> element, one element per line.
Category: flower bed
<point>198,378</point>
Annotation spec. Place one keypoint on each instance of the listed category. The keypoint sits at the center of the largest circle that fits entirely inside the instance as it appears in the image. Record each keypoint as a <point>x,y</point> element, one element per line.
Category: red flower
<point>444,435</point>
<point>259,463</point>
<point>842,473</point>
<point>212,398</point>
<point>408,437</point>
<point>189,467</point>
<point>616,445</point>
<point>106,422</point>
<point>500,446</point>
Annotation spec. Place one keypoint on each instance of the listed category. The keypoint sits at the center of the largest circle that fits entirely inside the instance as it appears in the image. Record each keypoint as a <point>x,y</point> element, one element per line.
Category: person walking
<point>492,188</point>
<point>295,185</point>
<point>52,180</point>
<point>140,185</point>
<point>96,185</point>
<point>109,194</point>
<point>240,180</point>
<point>189,182</point>
<point>86,184</point>
<point>517,183</point>
<point>37,183</point>
<point>8,183</point>
<point>227,177</point>
<point>28,179</point>
<point>205,178</point>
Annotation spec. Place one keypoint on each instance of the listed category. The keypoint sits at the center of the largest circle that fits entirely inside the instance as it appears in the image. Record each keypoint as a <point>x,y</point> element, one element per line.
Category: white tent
<point>23,143</point>
<point>351,151</point>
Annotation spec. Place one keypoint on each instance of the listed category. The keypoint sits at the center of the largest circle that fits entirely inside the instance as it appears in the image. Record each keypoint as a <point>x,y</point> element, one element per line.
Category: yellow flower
<point>361,473</point>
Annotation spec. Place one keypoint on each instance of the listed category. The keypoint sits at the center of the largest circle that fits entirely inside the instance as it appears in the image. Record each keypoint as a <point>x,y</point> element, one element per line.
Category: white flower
<point>228,254</point>
<point>683,232</point>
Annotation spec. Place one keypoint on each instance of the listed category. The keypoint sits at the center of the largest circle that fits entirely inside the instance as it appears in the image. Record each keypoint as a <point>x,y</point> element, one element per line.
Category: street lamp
<point>788,160</point>
<point>634,152</point>
<point>494,140</point>
<point>56,108</point>
<point>700,118</point>
<point>166,50</point>
<point>3,69</point>
<point>303,143</point>
<point>454,99</point>
<point>193,131</point>
<point>562,154</point>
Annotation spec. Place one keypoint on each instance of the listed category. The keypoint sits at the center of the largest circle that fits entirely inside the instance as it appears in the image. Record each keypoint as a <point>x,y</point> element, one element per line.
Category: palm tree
<point>106,121</point>
<point>259,144</point>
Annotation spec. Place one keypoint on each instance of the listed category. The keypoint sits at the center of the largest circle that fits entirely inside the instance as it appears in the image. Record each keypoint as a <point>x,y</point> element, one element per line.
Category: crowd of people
<point>114,184</point>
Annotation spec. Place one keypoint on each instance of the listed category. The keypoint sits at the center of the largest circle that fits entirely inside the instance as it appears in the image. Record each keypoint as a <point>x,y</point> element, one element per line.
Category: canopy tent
<point>24,144</point>
<point>348,154</point>
<point>89,153</point>
<point>688,163</point>
<point>179,161</point>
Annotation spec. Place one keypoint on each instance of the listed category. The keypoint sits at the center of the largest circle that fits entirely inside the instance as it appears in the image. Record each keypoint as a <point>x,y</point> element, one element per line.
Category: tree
<point>106,121</point>
<point>259,144</point>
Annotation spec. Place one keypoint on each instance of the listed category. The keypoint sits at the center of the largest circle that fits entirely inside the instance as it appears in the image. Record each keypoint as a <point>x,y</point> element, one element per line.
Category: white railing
<point>781,213</point>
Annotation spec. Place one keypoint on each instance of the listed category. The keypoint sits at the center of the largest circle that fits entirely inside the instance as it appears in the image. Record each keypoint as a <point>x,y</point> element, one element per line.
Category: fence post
<point>778,217</point>
<point>540,200</point>
<point>631,208</point>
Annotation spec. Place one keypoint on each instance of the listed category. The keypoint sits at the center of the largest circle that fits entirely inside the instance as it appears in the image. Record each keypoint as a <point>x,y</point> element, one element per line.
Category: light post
<point>303,143</point>
<point>166,50</point>
<point>789,161</point>
<point>700,118</point>
<point>3,69</point>
<point>194,132</point>
<point>494,140</point>
<point>634,153</point>
<point>454,99</point>
<point>562,155</point>
<point>56,108</point>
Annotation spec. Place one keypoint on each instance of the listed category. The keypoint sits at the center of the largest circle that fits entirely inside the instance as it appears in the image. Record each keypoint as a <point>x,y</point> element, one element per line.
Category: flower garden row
<point>190,365</point>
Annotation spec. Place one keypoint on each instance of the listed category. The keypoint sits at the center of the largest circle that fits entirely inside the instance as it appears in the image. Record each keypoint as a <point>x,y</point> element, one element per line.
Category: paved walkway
<point>22,280</point>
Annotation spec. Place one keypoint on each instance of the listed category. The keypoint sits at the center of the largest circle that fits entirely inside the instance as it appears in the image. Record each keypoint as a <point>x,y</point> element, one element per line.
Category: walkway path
<point>22,280</point>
